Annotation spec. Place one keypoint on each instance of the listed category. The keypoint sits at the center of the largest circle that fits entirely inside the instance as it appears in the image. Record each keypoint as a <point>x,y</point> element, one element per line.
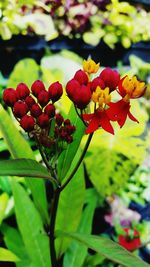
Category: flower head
<point>119,111</point>
<point>90,66</point>
<point>101,96</point>
<point>130,240</point>
<point>131,87</point>
<point>98,119</point>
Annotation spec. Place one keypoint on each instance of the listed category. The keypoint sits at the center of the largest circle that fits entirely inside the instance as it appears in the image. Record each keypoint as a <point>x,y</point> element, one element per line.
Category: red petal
<point>122,91</point>
<point>93,126</point>
<point>87,117</point>
<point>105,123</point>
<point>132,117</point>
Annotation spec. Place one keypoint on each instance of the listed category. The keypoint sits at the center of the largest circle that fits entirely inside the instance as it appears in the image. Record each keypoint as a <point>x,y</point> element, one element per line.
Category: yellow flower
<point>90,66</point>
<point>131,87</point>
<point>101,96</point>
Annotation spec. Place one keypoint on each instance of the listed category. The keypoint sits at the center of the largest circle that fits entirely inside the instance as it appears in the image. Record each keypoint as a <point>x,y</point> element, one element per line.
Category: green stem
<point>52,227</point>
<point>78,163</point>
<point>55,205</point>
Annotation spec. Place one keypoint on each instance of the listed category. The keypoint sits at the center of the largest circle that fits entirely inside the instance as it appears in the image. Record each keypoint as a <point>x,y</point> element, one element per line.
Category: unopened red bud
<point>43,98</point>
<point>70,129</point>
<point>97,82</point>
<point>55,91</point>
<point>20,109</point>
<point>110,77</point>
<point>72,89</point>
<point>43,120</point>
<point>67,122</point>
<point>36,111</point>
<point>56,131</point>
<point>10,97</point>
<point>37,87</point>
<point>81,77</point>
<point>83,97</point>
<point>22,90</point>
<point>27,123</point>
<point>30,101</point>
<point>69,139</point>
<point>59,119</point>
<point>50,110</point>
<point>63,133</point>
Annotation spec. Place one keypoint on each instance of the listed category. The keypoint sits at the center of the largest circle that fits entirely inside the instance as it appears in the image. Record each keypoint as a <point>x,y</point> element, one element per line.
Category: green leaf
<point>76,253</point>
<point>93,260</point>
<point>67,156</point>
<point>5,184</point>
<point>26,70</point>
<point>53,62</point>
<point>19,148</point>
<point>22,168</point>
<point>118,156</point>
<point>7,255</point>
<point>14,242</point>
<point>3,205</point>
<point>109,249</point>
<point>31,227</point>
<point>70,208</point>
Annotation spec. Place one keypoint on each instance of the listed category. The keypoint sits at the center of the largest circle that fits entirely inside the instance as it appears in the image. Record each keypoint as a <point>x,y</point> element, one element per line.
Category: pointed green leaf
<point>109,249</point>
<point>4,198</point>
<point>31,227</point>
<point>67,156</point>
<point>7,255</point>
<point>22,168</point>
<point>14,242</point>
<point>19,148</point>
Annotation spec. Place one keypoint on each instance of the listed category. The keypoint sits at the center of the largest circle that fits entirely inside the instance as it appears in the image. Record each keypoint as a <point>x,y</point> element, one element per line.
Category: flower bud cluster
<point>33,107</point>
<point>64,129</point>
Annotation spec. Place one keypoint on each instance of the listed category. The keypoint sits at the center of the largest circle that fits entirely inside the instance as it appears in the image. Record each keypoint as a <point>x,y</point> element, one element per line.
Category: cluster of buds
<point>83,91</point>
<point>34,109</point>
<point>64,129</point>
<point>130,240</point>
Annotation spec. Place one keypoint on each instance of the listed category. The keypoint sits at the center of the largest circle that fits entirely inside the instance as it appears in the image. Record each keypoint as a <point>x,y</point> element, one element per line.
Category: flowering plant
<point>58,138</point>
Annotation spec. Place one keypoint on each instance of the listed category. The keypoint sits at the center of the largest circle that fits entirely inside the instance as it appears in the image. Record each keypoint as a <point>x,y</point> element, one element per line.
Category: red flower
<point>130,242</point>
<point>110,77</point>
<point>98,119</point>
<point>131,87</point>
<point>119,111</point>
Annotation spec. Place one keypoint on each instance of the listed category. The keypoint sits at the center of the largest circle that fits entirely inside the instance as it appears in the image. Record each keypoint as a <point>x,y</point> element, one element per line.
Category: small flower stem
<point>55,205</point>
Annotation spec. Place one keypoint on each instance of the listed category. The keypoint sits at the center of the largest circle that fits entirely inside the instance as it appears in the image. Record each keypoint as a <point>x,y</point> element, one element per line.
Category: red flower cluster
<point>82,91</point>
<point>131,239</point>
<point>34,109</point>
